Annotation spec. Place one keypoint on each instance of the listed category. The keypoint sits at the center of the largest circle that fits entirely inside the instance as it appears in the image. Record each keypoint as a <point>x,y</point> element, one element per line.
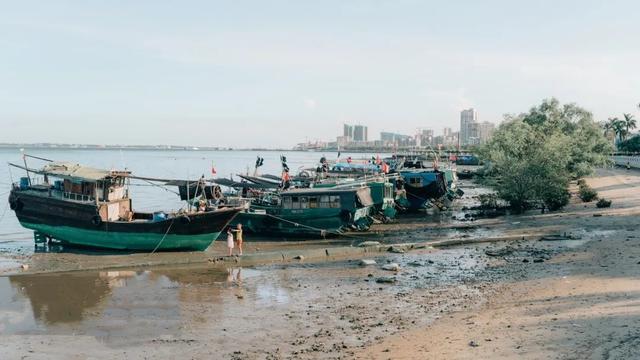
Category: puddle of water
<point>100,303</point>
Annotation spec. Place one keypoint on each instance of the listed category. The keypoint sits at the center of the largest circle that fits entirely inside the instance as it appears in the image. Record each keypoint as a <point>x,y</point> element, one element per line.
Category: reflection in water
<point>61,298</point>
<point>111,303</point>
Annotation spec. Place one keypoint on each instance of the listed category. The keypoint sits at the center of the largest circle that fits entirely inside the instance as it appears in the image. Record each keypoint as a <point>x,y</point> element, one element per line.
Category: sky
<point>274,73</point>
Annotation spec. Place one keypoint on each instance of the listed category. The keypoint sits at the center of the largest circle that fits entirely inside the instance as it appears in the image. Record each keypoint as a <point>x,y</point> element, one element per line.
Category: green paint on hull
<point>124,241</point>
<point>288,225</point>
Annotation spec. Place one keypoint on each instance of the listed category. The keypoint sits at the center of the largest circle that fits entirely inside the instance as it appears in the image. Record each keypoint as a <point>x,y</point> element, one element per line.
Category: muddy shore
<point>574,297</point>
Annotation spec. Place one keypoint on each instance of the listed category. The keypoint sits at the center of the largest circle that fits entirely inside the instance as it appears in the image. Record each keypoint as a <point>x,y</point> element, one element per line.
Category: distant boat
<point>422,186</point>
<point>91,207</point>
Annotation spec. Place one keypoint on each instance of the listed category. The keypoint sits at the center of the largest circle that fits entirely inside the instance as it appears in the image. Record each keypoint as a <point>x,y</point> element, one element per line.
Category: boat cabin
<point>346,199</point>
<point>107,189</point>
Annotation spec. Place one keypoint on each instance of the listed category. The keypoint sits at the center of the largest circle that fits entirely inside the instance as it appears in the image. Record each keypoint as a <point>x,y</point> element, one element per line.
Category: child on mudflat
<point>230,241</point>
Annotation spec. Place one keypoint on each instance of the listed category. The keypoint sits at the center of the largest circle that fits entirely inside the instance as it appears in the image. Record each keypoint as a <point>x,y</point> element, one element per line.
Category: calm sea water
<point>150,163</point>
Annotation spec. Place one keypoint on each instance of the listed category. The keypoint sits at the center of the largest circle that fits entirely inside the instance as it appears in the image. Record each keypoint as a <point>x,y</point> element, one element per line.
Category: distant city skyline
<point>272,74</point>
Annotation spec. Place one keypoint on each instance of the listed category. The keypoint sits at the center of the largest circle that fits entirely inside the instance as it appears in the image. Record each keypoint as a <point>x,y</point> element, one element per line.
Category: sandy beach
<point>572,297</point>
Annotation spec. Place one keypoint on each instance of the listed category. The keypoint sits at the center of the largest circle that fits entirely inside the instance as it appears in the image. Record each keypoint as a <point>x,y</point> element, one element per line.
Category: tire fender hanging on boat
<point>96,220</point>
<point>15,204</point>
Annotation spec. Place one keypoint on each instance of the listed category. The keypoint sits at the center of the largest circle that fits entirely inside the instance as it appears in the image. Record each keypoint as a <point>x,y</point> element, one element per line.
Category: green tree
<point>532,156</point>
<point>619,128</point>
<point>631,145</point>
<point>629,124</point>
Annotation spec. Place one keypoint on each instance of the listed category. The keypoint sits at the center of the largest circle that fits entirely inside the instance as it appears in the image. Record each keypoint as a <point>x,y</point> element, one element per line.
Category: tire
<point>16,204</point>
<point>96,220</point>
<point>185,219</point>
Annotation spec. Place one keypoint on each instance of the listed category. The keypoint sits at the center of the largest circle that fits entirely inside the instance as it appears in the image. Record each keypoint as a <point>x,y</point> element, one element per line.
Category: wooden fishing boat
<point>91,207</point>
<point>421,187</point>
<point>382,192</point>
<point>308,213</point>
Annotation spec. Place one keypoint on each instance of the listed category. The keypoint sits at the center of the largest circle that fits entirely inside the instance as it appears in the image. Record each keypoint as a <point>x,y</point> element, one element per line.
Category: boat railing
<point>77,197</point>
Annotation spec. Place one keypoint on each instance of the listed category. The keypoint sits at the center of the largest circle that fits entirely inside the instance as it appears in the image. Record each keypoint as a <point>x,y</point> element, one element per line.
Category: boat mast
<point>26,168</point>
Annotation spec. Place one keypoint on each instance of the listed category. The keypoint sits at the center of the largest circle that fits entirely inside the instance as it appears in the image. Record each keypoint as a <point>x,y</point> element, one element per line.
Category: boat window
<point>286,202</point>
<point>324,198</point>
<point>313,202</point>
<point>335,202</point>
<point>295,202</point>
<point>304,202</point>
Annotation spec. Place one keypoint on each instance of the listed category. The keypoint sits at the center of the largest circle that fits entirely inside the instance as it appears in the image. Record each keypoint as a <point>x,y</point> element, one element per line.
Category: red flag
<point>385,167</point>
<point>213,170</point>
<point>378,160</point>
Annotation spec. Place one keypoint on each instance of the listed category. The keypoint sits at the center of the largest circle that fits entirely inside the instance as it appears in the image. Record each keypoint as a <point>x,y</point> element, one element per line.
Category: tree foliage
<point>631,145</point>
<point>533,156</point>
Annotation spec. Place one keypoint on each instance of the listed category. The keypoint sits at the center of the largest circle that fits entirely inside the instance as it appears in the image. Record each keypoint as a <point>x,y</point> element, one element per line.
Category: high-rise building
<point>467,119</point>
<point>348,132</point>
<point>485,131</point>
<point>447,132</point>
<point>360,133</point>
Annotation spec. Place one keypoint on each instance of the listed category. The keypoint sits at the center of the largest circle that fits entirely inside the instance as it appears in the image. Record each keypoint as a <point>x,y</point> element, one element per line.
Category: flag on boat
<point>213,169</point>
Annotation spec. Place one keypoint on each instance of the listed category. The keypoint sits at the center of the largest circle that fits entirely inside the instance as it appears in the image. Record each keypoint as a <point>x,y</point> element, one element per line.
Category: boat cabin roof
<point>318,191</point>
<point>67,170</point>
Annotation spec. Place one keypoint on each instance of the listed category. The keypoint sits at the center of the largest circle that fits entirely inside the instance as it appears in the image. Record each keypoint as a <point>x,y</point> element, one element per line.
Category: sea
<point>164,164</point>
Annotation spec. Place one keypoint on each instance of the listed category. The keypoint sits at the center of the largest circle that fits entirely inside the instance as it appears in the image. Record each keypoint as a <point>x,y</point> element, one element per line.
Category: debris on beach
<point>391,267</point>
<point>367,262</point>
<point>386,280</point>
<point>368,243</point>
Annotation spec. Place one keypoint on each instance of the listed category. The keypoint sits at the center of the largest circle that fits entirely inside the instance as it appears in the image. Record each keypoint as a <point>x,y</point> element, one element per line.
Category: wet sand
<point>580,301</point>
<point>583,303</point>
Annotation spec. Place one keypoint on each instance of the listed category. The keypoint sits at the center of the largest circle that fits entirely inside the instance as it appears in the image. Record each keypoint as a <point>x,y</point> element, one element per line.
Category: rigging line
<point>162,187</point>
<point>4,212</point>
<point>163,237</point>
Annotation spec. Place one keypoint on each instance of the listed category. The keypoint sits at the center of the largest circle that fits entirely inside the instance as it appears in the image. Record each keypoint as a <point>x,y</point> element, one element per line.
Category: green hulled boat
<point>382,193</point>
<point>91,208</point>
<point>317,212</point>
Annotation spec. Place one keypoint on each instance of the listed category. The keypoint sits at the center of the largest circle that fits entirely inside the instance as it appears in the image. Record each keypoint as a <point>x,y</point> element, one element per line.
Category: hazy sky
<point>274,73</point>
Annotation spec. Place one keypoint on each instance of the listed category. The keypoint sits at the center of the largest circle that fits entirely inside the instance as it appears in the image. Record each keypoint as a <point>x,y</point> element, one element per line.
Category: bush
<point>582,182</point>
<point>533,156</point>
<point>488,201</point>
<point>587,194</point>
<point>555,198</point>
<point>603,203</point>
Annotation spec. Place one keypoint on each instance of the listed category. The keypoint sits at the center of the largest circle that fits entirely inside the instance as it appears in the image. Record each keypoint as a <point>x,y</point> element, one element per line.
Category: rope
<point>325,231</point>
<point>163,237</point>
<point>4,212</point>
<point>160,186</point>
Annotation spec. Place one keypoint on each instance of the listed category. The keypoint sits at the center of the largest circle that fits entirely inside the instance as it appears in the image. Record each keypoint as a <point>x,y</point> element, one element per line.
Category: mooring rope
<point>322,231</point>
<point>163,237</point>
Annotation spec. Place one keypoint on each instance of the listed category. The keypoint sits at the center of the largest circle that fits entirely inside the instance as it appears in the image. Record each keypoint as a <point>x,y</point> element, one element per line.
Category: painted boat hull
<point>71,223</point>
<point>432,186</point>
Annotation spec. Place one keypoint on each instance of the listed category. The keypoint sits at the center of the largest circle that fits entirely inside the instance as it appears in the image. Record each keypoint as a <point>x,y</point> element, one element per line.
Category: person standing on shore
<point>230,241</point>
<point>239,238</point>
